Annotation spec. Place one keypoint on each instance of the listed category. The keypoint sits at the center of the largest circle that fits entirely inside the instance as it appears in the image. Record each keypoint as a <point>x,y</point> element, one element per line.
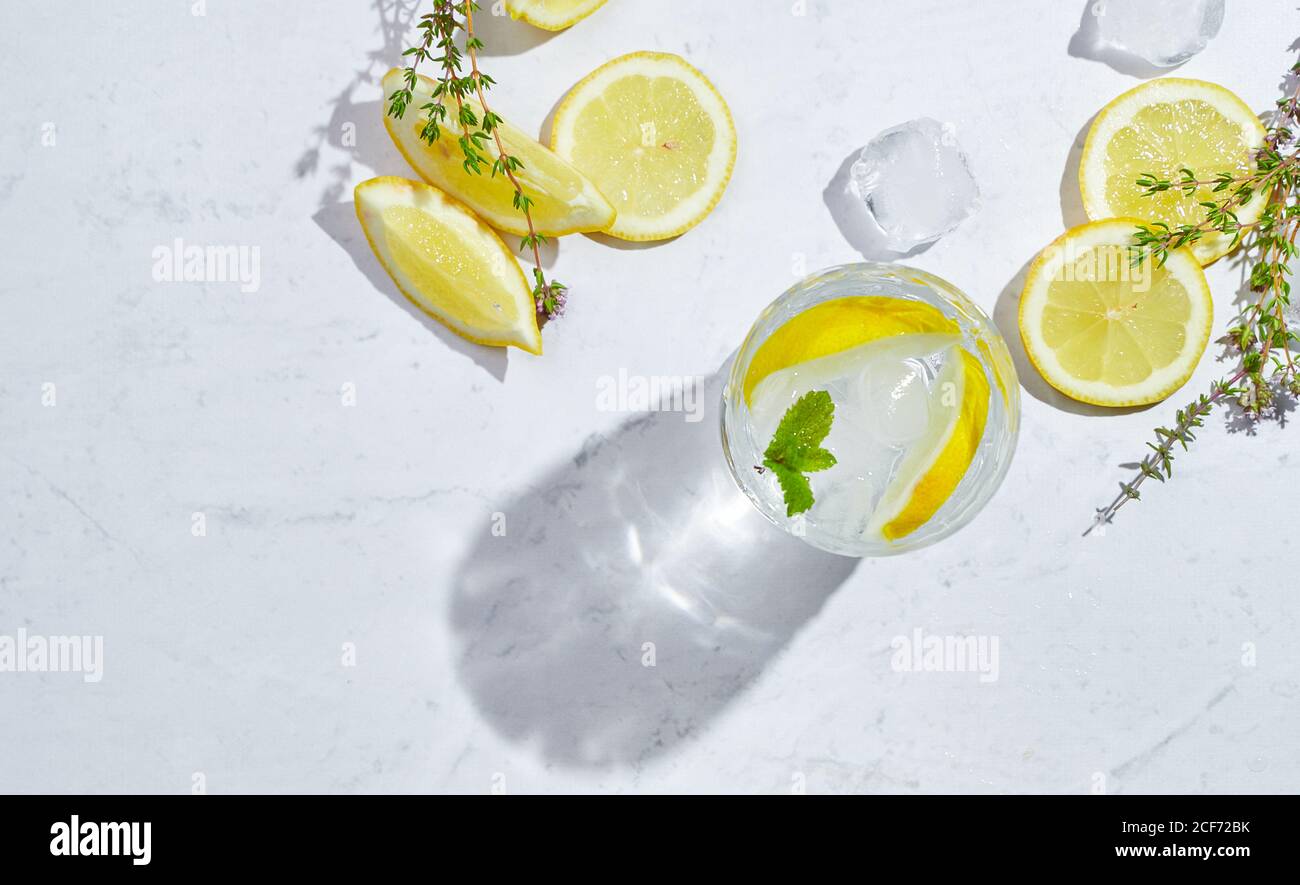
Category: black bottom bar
<point>335,834</point>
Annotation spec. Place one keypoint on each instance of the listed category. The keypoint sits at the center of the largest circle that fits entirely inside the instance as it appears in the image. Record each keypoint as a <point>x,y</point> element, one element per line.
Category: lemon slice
<point>564,200</point>
<point>655,137</point>
<point>552,15</point>
<point>838,325</point>
<point>1162,127</point>
<point>775,394</point>
<point>1104,332</point>
<point>448,263</point>
<point>934,466</point>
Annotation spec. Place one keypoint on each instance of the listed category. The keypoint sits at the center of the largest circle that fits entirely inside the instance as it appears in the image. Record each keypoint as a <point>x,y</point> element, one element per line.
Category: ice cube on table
<point>1163,32</point>
<point>915,182</point>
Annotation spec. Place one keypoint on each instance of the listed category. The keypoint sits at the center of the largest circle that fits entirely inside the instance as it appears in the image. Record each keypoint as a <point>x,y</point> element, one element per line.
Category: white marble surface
<point>515,662</point>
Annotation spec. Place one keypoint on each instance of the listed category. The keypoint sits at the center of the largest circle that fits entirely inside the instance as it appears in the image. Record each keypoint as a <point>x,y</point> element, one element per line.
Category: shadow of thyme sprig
<point>1259,335</point>
<point>478,137</point>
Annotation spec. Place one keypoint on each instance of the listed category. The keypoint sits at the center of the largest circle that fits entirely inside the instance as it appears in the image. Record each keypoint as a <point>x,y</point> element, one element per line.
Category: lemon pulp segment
<point>1106,332</point>
<point>552,15</point>
<point>448,263</point>
<point>656,138</point>
<point>1161,128</point>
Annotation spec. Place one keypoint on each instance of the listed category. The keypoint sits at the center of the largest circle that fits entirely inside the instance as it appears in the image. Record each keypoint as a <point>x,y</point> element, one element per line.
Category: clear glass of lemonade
<point>925,414</point>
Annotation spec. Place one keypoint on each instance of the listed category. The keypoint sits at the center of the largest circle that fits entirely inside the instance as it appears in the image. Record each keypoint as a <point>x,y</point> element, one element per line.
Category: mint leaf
<point>796,448</point>
<point>795,487</point>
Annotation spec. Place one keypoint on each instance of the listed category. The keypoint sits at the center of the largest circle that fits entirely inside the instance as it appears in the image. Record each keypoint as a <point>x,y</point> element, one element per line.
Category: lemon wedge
<point>657,139</point>
<point>1163,127</point>
<point>552,15</point>
<point>838,325</point>
<point>564,200</point>
<point>1105,332</point>
<point>448,263</point>
<point>934,466</point>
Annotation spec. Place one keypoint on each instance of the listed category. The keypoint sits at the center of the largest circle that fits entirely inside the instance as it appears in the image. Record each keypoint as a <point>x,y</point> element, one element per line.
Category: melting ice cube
<point>1164,32</point>
<point>895,394</point>
<point>884,403</point>
<point>916,183</point>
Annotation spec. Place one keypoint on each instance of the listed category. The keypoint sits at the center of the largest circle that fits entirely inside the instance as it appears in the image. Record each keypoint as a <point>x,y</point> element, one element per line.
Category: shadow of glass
<point>634,592</point>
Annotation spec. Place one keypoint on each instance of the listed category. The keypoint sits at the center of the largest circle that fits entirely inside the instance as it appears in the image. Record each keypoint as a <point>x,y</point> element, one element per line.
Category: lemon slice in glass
<point>1105,332</point>
<point>934,466</point>
<point>838,325</point>
<point>552,15</point>
<point>448,263</point>
<point>1161,128</point>
<point>655,137</point>
<point>564,200</point>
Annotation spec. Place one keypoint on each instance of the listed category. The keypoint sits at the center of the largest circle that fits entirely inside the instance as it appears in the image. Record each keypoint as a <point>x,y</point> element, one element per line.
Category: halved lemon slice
<point>552,15</point>
<point>934,466</point>
<point>1163,127</point>
<point>838,325</point>
<point>564,200</point>
<point>655,137</point>
<point>1105,332</point>
<point>448,263</point>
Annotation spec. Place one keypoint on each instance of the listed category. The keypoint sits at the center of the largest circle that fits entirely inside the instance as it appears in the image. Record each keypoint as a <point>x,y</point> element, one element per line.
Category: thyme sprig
<point>438,36</point>
<point>1259,337</point>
